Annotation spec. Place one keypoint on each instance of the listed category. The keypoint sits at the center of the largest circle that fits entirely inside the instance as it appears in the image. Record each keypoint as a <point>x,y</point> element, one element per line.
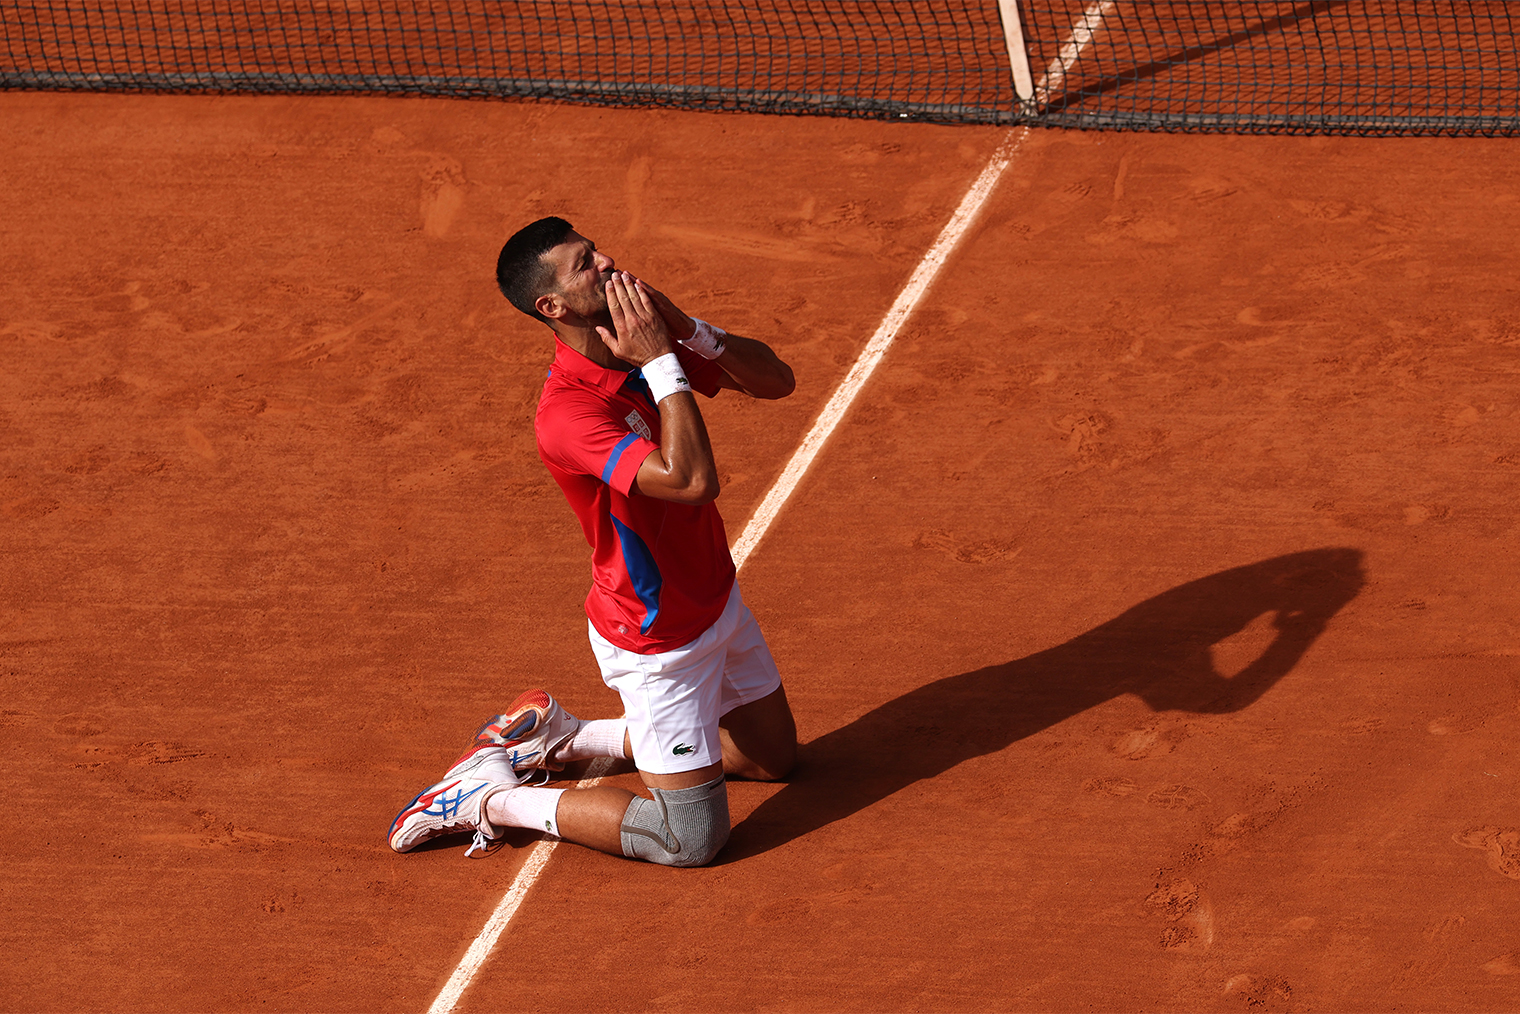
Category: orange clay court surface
<point>1150,620</point>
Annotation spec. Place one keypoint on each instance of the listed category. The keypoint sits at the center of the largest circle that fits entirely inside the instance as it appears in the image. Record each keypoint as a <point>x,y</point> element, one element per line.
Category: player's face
<point>581,273</point>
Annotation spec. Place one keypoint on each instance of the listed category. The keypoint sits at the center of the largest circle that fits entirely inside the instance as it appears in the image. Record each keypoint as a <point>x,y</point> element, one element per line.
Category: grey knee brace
<point>680,827</point>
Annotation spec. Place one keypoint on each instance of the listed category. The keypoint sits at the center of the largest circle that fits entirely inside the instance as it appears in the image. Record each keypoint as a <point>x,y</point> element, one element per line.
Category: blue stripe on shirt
<point>642,571</point>
<point>616,456</point>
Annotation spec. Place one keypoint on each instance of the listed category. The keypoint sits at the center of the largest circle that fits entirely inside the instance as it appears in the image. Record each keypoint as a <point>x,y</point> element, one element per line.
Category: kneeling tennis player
<point>619,428</point>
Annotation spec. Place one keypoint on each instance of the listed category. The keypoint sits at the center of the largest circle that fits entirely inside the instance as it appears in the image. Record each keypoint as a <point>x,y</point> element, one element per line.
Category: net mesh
<point>927,59</point>
<point>1334,66</point>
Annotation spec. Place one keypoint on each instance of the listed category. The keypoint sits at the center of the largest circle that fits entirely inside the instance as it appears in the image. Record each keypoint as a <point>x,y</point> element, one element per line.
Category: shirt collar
<point>572,364</point>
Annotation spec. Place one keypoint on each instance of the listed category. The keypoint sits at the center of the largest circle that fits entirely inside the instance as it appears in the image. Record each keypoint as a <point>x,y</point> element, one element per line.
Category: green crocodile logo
<point>681,748</point>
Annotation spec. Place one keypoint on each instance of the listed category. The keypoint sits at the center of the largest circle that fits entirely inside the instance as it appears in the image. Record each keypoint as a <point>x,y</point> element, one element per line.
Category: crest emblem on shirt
<point>638,425</point>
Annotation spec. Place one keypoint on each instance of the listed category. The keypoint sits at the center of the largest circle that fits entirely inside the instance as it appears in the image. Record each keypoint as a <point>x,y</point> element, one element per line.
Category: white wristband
<point>665,377</point>
<point>708,341</point>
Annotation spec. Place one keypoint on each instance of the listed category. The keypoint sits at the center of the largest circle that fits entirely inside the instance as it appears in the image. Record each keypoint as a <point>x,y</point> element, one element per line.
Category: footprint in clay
<point>1501,843</point>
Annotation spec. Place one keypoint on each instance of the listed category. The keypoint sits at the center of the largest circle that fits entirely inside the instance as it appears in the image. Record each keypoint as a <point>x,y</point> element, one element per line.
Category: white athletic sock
<point>525,806</point>
<point>602,737</point>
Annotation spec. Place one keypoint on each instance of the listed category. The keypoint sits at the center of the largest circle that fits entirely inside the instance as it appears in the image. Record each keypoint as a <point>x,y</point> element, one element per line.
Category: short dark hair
<point>522,274</point>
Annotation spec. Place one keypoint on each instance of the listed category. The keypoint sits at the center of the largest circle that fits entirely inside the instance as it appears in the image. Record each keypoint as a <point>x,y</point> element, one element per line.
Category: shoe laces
<point>482,842</point>
<point>530,776</point>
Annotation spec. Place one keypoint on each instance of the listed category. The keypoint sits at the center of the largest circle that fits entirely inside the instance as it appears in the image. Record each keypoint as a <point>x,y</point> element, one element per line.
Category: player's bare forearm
<point>755,369</point>
<point>748,365</point>
<point>682,469</point>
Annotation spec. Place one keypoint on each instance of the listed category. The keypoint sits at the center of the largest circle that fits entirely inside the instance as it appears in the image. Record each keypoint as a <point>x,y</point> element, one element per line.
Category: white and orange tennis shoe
<point>533,727</point>
<point>505,751</point>
<point>458,802</point>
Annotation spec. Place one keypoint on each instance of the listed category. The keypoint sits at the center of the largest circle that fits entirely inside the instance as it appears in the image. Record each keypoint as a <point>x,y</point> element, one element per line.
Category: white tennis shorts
<point>672,700</point>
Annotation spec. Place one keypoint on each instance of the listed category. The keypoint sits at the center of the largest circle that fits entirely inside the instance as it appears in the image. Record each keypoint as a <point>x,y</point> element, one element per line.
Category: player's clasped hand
<point>640,333</point>
<point>681,326</point>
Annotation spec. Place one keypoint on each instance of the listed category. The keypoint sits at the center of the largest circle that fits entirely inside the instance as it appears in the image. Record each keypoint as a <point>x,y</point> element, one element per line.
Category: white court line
<point>480,949</point>
<point>1082,33</point>
<point>907,301</point>
<point>865,364</point>
<point>833,412</point>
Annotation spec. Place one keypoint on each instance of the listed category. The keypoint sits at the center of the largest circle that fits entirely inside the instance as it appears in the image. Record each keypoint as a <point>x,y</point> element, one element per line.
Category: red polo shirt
<point>661,571</point>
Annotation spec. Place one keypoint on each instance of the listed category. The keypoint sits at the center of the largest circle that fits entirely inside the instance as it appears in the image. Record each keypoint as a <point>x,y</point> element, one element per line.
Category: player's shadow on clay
<point>1157,650</point>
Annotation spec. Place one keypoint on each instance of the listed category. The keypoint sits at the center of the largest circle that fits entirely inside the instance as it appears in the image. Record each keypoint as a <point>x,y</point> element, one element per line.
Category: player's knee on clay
<point>679,827</point>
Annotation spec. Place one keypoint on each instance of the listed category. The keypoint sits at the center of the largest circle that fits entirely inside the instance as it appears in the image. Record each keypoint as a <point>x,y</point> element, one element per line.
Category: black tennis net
<point>1335,66</point>
<point>927,59</point>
